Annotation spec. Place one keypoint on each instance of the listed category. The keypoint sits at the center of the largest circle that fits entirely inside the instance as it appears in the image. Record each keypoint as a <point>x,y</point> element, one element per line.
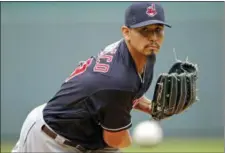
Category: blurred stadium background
<point>42,42</point>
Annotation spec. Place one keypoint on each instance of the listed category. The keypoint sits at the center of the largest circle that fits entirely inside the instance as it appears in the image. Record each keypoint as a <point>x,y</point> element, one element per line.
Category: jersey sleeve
<point>115,111</point>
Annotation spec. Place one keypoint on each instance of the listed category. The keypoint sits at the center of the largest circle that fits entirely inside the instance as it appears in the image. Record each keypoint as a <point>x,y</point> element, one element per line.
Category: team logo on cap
<point>151,11</point>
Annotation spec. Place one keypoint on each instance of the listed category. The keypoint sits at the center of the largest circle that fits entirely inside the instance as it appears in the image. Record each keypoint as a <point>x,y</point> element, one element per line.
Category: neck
<point>139,59</point>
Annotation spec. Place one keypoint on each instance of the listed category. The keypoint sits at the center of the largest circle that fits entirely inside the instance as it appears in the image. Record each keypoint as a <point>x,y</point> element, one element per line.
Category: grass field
<point>184,145</point>
<point>172,145</point>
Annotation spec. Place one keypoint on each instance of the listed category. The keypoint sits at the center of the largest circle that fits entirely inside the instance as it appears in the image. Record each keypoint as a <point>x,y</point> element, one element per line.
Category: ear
<point>126,32</point>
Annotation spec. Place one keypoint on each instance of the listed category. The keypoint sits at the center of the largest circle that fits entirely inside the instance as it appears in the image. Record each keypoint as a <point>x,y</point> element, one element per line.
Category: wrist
<point>143,104</point>
<point>137,101</point>
<point>150,109</point>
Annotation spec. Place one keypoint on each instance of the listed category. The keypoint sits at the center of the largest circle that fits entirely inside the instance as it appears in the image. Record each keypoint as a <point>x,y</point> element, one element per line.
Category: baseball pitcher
<point>91,110</point>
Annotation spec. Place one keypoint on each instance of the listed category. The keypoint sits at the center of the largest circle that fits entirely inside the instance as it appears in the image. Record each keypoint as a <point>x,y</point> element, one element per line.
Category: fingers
<point>173,83</point>
<point>182,92</point>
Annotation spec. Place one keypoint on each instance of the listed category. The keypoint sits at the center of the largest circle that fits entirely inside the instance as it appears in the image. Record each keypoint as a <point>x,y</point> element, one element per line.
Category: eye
<point>158,30</point>
<point>145,30</point>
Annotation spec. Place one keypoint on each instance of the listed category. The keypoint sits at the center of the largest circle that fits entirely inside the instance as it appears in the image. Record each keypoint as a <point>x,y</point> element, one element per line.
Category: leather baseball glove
<point>175,91</point>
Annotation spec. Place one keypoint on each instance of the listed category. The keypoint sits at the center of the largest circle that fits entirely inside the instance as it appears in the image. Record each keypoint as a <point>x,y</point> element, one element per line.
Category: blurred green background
<point>42,42</point>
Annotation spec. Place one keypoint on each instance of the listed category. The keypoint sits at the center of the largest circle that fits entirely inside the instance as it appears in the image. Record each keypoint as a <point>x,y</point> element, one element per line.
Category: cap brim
<point>149,22</point>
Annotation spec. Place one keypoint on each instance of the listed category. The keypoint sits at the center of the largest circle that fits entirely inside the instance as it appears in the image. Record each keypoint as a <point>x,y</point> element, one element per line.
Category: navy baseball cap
<point>141,14</point>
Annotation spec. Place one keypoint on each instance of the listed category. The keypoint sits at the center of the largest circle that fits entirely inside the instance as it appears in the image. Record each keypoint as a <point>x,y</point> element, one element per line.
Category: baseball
<point>147,134</point>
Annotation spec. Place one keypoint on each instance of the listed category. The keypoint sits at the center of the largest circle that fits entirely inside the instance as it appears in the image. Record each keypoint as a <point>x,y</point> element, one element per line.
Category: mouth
<point>152,47</point>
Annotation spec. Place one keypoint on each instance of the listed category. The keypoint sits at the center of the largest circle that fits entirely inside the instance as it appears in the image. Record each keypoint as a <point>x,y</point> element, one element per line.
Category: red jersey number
<point>99,67</point>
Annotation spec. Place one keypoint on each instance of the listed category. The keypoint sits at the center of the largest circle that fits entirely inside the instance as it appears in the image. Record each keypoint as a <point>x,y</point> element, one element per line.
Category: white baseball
<point>148,133</point>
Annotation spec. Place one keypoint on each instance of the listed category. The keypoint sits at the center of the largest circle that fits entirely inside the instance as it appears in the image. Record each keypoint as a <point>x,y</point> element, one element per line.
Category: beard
<point>151,48</point>
<point>148,51</point>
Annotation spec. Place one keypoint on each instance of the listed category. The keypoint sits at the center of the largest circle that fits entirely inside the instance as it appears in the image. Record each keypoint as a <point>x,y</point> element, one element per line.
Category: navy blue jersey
<point>98,95</point>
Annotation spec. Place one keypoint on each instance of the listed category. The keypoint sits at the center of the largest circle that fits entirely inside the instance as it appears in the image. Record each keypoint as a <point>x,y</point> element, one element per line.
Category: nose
<point>153,36</point>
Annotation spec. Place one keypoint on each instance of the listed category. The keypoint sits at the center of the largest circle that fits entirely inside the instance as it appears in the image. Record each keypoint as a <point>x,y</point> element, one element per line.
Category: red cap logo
<point>151,11</point>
